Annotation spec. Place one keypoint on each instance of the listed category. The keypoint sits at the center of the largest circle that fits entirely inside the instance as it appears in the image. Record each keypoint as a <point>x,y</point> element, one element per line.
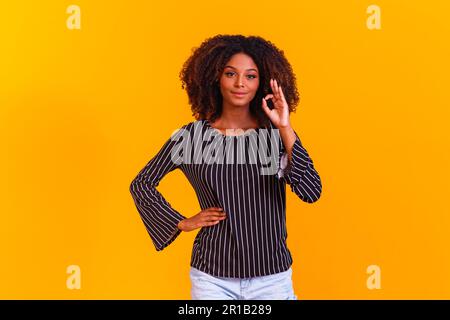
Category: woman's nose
<point>239,82</point>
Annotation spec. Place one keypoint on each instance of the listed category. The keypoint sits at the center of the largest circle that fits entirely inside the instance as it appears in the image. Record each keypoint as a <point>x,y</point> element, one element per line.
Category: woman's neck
<point>239,118</point>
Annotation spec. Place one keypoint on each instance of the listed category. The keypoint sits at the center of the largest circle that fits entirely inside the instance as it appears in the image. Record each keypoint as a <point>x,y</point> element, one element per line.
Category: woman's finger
<point>272,86</point>
<point>218,210</point>
<point>275,94</point>
<point>214,218</point>
<point>265,107</point>
<point>277,91</point>
<point>282,95</point>
<point>207,224</point>
<point>268,96</point>
<point>215,213</point>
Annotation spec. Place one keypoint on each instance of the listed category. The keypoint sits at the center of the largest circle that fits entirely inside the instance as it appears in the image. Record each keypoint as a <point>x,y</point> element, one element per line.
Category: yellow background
<point>82,111</point>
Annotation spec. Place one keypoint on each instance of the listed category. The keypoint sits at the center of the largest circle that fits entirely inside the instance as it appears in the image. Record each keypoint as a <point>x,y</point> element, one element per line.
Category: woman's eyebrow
<point>246,70</point>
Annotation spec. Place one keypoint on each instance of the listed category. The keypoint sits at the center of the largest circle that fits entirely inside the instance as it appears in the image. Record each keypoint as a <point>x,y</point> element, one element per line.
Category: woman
<point>240,252</point>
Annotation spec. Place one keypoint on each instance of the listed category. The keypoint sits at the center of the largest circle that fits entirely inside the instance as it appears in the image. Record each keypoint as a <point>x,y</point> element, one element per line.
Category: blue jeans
<point>276,286</point>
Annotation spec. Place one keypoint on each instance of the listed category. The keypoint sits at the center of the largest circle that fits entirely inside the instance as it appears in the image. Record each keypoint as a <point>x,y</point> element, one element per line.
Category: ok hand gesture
<point>279,115</point>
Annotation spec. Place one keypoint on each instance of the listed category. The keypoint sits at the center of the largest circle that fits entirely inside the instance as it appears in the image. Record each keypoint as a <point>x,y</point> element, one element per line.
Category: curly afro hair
<point>202,70</point>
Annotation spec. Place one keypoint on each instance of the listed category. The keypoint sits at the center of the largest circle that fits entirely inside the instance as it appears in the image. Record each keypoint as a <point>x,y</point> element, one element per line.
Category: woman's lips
<point>237,94</point>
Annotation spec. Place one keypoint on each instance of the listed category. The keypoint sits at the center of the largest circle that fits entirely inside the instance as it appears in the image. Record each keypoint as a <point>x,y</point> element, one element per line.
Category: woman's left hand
<point>279,115</point>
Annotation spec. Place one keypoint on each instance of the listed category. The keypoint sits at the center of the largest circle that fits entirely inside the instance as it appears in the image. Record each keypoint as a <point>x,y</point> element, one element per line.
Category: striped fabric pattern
<point>251,241</point>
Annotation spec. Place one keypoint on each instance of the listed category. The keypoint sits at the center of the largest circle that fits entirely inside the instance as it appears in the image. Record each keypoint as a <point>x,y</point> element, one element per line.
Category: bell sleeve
<point>160,219</point>
<point>300,173</point>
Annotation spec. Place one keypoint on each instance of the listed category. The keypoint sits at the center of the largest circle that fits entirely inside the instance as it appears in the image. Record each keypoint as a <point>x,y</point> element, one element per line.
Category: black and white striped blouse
<point>246,175</point>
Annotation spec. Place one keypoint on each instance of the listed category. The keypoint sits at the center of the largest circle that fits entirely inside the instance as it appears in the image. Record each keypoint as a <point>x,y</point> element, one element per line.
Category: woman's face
<point>240,75</point>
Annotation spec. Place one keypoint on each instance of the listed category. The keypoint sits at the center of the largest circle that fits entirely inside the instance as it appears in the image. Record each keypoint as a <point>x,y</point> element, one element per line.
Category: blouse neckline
<point>246,132</point>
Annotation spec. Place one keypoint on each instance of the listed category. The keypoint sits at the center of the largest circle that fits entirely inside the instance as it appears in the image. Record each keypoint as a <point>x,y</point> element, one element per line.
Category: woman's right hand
<point>205,218</point>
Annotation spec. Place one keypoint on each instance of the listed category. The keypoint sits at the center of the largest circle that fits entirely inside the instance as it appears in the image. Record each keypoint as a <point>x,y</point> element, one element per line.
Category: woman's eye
<point>251,76</point>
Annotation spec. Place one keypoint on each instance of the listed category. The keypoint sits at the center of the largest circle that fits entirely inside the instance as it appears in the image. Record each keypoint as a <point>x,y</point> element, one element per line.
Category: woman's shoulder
<point>190,127</point>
